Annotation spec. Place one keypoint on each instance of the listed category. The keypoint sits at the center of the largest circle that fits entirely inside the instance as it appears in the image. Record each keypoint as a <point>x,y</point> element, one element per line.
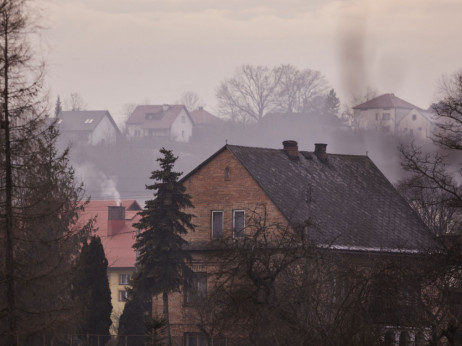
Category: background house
<point>160,121</point>
<point>114,223</point>
<point>88,127</point>
<point>390,114</point>
<point>352,209</point>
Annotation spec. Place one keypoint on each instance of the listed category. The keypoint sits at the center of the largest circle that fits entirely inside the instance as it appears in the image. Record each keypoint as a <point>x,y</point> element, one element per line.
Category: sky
<point>114,52</point>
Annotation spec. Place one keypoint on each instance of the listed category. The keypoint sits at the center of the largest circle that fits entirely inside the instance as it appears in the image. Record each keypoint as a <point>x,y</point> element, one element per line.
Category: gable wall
<point>104,133</point>
<point>421,127</point>
<point>211,191</point>
<point>181,129</point>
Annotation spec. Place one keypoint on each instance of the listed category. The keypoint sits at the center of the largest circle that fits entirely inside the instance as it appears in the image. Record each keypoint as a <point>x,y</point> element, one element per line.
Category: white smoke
<point>97,183</point>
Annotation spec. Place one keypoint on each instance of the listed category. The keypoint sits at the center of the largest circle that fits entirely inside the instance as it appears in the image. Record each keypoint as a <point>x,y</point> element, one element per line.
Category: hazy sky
<point>114,52</point>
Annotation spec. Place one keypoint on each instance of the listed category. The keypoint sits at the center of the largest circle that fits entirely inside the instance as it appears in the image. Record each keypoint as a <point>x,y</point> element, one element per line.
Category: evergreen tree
<point>162,263</point>
<point>58,106</point>
<point>93,288</point>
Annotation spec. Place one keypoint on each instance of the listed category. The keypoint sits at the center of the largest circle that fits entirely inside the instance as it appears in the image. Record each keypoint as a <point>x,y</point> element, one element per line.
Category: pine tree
<point>58,106</point>
<point>93,288</point>
<point>132,322</point>
<point>162,263</point>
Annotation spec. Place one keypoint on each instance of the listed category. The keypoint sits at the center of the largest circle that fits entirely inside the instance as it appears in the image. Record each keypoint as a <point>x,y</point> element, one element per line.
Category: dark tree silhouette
<point>162,263</point>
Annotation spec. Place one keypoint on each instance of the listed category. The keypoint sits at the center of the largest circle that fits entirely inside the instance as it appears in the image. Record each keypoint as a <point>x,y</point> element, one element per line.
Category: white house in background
<point>390,114</point>
<point>167,121</point>
<point>88,127</point>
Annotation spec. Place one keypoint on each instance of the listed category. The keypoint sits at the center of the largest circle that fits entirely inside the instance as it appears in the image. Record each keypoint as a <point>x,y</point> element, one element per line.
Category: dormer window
<point>227,173</point>
<point>88,121</point>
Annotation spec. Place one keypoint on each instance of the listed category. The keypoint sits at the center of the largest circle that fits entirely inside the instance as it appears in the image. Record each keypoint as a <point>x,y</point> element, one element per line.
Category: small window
<point>414,117</point>
<point>124,279</point>
<point>197,289</point>
<point>420,129</point>
<point>123,296</point>
<point>386,116</point>
<point>376,116</point>
<point>217,224</point>
<point>227,173</point>
<point>238,223</point>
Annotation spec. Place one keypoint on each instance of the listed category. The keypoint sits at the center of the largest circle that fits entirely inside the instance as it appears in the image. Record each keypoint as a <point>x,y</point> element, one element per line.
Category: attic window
<point>227,173</point>
<point>414,117</point>
<point>89,121</point>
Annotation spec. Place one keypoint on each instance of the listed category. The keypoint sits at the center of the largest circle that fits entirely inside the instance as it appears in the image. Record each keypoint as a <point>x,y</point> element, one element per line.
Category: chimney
<point>115,219</point>
<point>291,149</point>
<point>165,107</point>
<point>320,151</point>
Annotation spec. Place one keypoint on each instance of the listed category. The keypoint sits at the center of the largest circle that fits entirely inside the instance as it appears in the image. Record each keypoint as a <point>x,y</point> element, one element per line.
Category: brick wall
<point>211,190</point>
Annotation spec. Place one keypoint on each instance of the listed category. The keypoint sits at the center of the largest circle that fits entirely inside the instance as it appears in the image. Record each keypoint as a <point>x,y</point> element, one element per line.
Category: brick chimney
<point>291,149</point>
<point>320,151</point>
<point>115,219</point>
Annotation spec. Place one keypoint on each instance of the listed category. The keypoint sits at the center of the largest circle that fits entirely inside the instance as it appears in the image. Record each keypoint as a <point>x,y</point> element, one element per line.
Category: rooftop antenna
<point>367,153</point>
<point>226,141</point>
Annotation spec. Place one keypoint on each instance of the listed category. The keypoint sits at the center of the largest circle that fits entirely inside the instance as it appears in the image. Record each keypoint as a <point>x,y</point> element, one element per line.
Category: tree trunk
<point>166,317</point>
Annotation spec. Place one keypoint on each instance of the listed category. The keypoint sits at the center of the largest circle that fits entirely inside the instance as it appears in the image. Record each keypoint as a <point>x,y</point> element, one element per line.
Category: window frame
<point>234,223</point>
<point>386,116</point>
<point>123,295</point>
<point>212,233</point>
<point>124,282</point>
<point>197,289</point>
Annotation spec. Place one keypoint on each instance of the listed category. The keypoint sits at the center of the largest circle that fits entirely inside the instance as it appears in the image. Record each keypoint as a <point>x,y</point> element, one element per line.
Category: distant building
<point>160,121</point>
<point>390,114</point>
<point>88,127</point>
<point>114,225</point>
<point>202,117</point>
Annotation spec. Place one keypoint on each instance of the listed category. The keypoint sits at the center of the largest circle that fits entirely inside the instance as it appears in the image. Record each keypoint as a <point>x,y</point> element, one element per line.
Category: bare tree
<point>298,90</point>
<point>254,91</point>
<point>75,102</point>
<point>250,94</point>
<point>348,114</point>
<point>191,101</point>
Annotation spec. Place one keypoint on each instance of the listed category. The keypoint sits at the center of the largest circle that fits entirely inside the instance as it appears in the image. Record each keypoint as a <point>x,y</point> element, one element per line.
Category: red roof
<point>202,117</point>
<point>386,101</point>
<point>160,116</point>
<point>118,245</point>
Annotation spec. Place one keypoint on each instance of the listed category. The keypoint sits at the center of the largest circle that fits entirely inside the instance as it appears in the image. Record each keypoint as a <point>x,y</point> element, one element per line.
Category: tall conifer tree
<point>162,263</point>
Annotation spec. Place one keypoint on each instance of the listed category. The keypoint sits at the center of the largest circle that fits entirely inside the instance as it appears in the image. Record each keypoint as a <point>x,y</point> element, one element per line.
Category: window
<point>124,279</point>
<point>123,296</point>
<point>196,289</point>
<point>386,116</point>
<point>238,223</point>
<point>376,116</point>
<point>227,173</point>
<point>217,224</point>
<point>414,117</point>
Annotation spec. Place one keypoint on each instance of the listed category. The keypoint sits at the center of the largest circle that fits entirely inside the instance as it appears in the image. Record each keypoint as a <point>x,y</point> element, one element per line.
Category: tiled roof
<point>202,117</point>
<point>350,203</point>
<point>118,248</point>
<point>82,120</point>
<point>163,116</point>
<point>386,101</point>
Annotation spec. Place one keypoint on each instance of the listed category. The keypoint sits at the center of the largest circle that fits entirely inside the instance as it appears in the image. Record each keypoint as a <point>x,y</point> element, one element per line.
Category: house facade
<point>351,206</point>
<point>114,223</point>
<point>390,114</point>
<point>159,122</point>
<point>88,127</point>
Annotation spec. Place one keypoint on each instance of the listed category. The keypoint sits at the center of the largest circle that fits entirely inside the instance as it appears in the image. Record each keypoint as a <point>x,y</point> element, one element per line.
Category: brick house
<point>352,206</point>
